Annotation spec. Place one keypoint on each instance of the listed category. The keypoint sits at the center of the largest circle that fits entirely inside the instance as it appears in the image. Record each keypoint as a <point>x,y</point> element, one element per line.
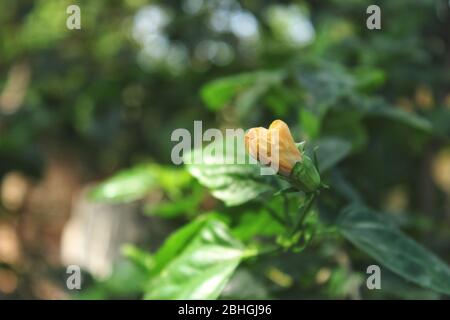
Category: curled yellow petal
<point>274,146</point>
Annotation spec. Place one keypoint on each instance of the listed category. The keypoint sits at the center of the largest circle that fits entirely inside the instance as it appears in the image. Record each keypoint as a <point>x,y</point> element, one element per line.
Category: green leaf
<point>377,107</point>
<point>139,257</point>
<point>330,151</point>
<point>347,125</point>
<point>196,262</point>
<point>256,223</point>
<point>399,115</point>
<point>127,185</point>
<point>324,84</point>
<point>126,280</point>
<point>176,243</point>
<point>234,184</point>
<point>135,183</point>
<point>218,93</point>
<point>379,238</point>
<point>185,204</point>
<point>394,287</point>
<point>245,285</point>
<point>368,78</point>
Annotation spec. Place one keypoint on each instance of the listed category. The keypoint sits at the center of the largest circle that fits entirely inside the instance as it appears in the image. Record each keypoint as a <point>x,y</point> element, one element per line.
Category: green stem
<point>287,216</point>
<point>304,212</point>
<point>253,252</point>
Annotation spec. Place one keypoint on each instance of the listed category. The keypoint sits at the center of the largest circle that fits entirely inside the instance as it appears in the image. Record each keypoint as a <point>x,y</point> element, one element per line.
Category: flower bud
<point>305,175</point>
<point>277,145</point>
<point>274,146</point>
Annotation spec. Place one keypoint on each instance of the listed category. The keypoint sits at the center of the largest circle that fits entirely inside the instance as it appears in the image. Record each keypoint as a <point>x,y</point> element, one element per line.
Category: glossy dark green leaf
<point>234,184</point>
<point>196,262</point>
<point>330,151</point>
<point>377,107</point>
<point>380,239</point>
<point>397,114</point>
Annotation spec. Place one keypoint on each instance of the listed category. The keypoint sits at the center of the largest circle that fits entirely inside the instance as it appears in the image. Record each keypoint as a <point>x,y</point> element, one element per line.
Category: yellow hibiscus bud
<point>276,147</point>
<point>273,145</point>
<point>289,154</point>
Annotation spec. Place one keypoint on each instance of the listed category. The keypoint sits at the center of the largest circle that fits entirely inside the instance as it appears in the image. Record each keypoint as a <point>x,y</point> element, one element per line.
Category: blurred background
<point>77,106</point>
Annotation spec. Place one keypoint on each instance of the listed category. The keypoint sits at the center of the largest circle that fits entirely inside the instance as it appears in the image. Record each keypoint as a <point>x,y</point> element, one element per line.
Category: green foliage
<point>330,151</point>
<point>234,184</point>
<point>186,203</point>
<point>256,223</point>
<point>246,88</point>
<point>137,182</point>
<point>127,185</point>
<point>126,281</point>
<point>371,107</point>
<point>390,247</point>
<point>195,262</point>
<point>139,257</point>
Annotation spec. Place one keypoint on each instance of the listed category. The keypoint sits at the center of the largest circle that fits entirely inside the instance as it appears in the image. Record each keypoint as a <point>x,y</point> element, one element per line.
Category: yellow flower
<point>276,148</point>
<point>273,145</point>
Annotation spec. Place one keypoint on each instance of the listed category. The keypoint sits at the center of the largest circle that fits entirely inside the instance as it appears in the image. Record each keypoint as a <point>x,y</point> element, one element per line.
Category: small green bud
<point>305,176</point>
